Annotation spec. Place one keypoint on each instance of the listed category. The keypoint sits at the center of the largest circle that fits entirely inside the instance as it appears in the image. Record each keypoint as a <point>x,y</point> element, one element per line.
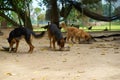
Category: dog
<point>75,33</point>
<point>71,31</point>
<point>55,35</point>
<point>22,32</point>
<point>81,34</point>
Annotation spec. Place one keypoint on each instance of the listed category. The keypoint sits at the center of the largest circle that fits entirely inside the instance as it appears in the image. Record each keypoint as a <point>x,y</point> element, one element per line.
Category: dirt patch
<point>97,61</point>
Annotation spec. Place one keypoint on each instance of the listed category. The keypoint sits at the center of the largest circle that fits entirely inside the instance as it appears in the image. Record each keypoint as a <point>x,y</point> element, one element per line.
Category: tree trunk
<point>3,24</point>
<point>54,12</point>
<point>26,20</point>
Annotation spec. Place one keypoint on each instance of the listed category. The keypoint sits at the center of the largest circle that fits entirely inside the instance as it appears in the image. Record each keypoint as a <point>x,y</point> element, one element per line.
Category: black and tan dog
<point>55,35</point>
<point>21,32</point>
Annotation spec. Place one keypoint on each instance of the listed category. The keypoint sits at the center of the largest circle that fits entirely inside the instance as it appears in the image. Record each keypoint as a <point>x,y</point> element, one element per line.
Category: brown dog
<point>81,34</point>
<point>71,31</point>
<point>55,35</point>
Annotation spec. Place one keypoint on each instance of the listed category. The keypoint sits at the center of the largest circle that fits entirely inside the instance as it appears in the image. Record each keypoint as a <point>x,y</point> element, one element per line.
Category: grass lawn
<point>101,28</point>
<point>114,27</point>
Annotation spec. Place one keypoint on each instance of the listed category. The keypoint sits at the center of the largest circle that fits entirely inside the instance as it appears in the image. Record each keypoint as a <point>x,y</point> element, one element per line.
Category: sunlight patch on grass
<point>94,28</point>
<point>39,29</point>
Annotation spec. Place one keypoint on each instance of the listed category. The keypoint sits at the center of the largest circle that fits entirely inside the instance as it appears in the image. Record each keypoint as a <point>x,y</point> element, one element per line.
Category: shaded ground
<point>97,61</point>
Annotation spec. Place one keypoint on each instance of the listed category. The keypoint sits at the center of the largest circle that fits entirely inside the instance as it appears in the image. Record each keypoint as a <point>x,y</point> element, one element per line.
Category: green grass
<point>39,29</point>
<point>114,27</point>
<point>101,28</point>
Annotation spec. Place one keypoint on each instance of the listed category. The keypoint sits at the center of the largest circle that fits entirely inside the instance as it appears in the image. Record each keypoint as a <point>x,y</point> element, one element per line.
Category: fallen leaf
<point>81,71</point>
<point>103,54</point>
<point>46,68</point>
<point>65,60</point>
<point>71,44</point>
<point>33,79</point>
<point>43,49</point>
<point>9,74</point>
<point>43,78</point>
<point>116,52</point>
<point>78,53</point>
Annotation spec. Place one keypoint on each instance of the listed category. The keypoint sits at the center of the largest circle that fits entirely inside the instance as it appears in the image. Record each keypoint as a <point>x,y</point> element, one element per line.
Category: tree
<point>20,7</point>
<point>52,13</point>
<point>37,12</point>
<point>117,10</point>
<point>41,17</point>
<point>95,7</point>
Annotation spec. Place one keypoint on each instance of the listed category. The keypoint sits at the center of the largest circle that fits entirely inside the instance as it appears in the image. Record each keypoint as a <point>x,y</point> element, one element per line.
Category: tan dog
<point>71,31</point>
<point>81,34</point>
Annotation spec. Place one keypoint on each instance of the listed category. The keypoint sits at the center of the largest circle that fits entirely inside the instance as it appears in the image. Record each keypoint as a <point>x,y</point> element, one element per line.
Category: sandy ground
<point>97,61</point>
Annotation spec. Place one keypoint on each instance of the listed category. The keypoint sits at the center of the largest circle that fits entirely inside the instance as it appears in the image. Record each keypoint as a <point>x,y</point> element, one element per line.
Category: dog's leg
<point>54,44</point>
<point>68,37</point>
<point>88,40</point>
<point>29,40</point>
<point>17,44</point>
<point>31,47</point>
<point>72,39</point>
<point>76,38</point>
<point>10,49</point>
<point>50,42</point>
<point>79,41</point>
<point>11,44</point>
<point>50,37</point>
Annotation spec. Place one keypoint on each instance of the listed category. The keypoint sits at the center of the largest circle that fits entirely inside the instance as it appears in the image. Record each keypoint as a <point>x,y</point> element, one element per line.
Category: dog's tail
<point>38,35</point>
<point>45,27</point>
